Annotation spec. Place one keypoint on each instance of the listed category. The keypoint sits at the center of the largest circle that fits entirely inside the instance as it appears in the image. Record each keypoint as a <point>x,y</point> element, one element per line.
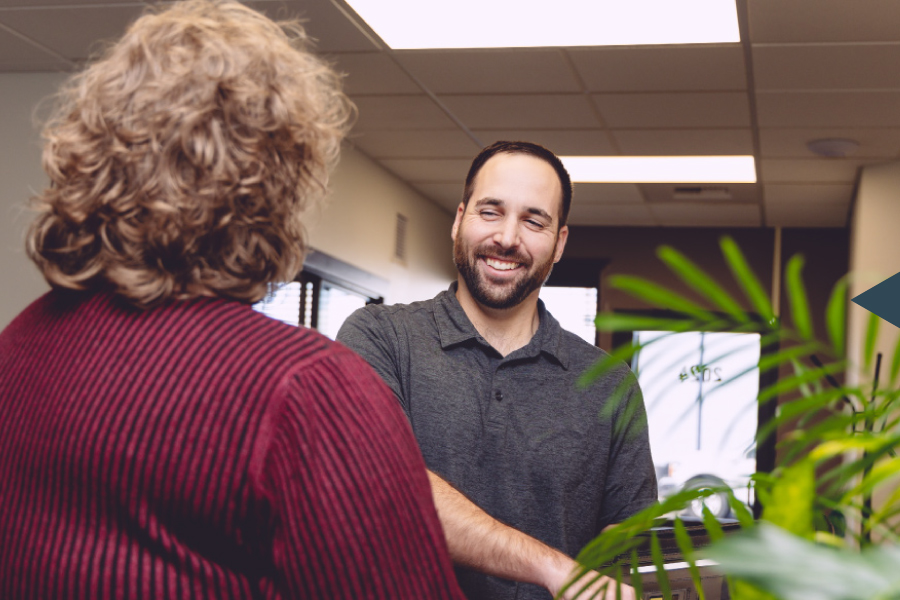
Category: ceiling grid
<point>804,70</point>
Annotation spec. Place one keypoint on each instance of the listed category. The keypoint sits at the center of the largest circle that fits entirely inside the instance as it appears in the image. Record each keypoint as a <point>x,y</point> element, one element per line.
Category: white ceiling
<point>806,69</point>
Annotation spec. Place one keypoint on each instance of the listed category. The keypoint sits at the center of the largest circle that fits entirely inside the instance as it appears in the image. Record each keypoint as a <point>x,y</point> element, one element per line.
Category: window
<point>700,390</point>
<point>335,305</point>
<point>324,294</point>
<point>283,303</point>
<point>574,307</point>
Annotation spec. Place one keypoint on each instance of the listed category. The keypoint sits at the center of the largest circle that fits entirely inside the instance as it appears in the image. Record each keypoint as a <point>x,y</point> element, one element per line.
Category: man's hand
<point>478,541</point>
<point>593,585</point>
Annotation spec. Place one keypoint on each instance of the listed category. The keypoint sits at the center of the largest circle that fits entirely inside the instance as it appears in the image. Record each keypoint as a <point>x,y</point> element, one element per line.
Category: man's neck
<point>506,330</point>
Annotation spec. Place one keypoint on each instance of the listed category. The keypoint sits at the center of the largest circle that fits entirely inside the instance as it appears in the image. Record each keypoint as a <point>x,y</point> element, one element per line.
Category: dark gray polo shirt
<point>514,434</point>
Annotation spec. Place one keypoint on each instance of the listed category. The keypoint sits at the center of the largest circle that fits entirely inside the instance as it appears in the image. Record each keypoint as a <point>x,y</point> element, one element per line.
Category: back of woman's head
<point>182,160</point>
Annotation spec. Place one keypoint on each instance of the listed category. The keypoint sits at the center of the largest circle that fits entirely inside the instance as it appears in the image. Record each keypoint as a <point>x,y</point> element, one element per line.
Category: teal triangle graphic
<point>883,300</point>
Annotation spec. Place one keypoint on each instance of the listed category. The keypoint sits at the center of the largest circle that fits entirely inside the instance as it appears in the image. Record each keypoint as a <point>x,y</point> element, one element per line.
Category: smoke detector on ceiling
<point>833,147</point>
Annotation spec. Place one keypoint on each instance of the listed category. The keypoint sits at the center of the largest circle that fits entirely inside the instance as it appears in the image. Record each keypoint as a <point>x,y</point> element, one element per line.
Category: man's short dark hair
<point>530,149</point>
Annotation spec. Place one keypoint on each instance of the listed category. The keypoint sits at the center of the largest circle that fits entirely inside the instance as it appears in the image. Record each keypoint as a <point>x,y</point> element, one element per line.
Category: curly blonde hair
<point>182,160</point>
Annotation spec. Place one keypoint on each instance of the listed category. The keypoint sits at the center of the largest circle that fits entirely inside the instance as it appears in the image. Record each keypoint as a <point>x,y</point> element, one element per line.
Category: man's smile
<point>501,265</point>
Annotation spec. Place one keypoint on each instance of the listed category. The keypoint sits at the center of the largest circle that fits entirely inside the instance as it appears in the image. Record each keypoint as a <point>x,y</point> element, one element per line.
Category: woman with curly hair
<point>158,437</point>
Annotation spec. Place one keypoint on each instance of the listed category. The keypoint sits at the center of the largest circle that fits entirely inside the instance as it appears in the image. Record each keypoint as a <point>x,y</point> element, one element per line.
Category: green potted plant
<point>819,535</point>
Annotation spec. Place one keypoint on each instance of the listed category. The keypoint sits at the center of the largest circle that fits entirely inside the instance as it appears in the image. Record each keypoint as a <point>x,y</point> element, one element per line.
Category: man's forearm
<point>479,541</point>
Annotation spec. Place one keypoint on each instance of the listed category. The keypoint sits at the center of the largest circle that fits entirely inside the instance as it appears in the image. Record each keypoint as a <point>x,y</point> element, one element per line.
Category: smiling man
<point>525,466</point>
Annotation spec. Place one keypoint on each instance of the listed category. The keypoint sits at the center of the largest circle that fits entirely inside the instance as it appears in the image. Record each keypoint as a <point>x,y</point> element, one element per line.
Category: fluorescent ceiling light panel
<point>407,24</point>
<point>661,169</point>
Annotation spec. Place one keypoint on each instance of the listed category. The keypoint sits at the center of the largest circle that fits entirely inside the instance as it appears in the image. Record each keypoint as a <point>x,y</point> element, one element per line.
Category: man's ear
<point>460,211</point>
<point>561,243</point>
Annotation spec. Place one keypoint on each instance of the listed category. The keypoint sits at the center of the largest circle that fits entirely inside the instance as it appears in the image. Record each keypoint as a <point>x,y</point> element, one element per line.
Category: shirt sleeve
<point>631,477</point>
<point>352,510</point>
<point>371,337</point>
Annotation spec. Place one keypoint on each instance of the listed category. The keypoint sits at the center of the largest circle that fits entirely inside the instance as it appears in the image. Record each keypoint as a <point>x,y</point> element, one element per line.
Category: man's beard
<point>492,295</point>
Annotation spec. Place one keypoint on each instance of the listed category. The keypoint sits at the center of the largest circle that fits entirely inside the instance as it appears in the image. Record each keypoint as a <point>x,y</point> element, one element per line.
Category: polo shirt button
<point>498,395</point>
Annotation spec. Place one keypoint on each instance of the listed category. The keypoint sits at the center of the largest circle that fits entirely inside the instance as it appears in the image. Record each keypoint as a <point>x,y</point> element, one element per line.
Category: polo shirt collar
<point>454,327</point>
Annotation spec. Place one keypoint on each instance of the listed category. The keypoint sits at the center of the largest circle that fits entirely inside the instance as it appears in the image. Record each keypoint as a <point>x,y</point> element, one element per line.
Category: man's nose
<point>507,234</point>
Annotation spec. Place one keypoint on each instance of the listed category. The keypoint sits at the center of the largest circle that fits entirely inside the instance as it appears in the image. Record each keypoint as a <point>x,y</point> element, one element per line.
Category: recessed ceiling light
<point>407,24</point>
<point>661,169</point>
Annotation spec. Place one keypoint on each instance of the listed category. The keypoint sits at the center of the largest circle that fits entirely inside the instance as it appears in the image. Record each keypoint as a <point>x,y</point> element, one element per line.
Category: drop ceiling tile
<point>564,142</point>
<point>733,193</point>
<point>661,68</point>
<point>706,215</point>
<point>827,67</point>
<point>824,20</point>
<point>373,73</point>
<point>446,195</point>
<point>324,23</point>
<point>675,142</point>
<point>522,111</point>
<point>428,170</point>
<point>807,194</point>
<point>504,71</point>
<point>632,215</point>
<point>415,144</point>
<point>813,170</point>
<point>17,54</point>
<point>52,27</point>
<point>399,113</point>
<point>674,110</point>
<point>589,194</point>
<point>828,109</point>
<point>874,142</point>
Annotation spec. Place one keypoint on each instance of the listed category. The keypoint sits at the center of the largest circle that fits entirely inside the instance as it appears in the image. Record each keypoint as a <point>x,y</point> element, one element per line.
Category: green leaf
<point>791,501</point>
<point>687,551</point>
<point>636,582</point>
<point>659,296</point>
<point>629,322</point>
<point>607,363</point>
<point>797,296</point>
<point>880,473</point>
<point>836,447</point>
<point>895,364</point>
<point>618,583</point>
<point>793,568</point>
<point>747,280</point>
<point>741,590</point>
<point>744,517</point>
<point>701,282</point>
<point>662,578</point>
<point>836,316</point>
<point>713,528</point>
<point>871,339</point>
<point>789,384</point>
<point>889,507</point>
<point>792,409</point>
<point>771,361</point>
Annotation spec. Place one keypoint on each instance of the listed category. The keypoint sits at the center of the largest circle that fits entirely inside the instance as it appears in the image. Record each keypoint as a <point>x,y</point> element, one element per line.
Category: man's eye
<point>535,223</point>
<point>488,213</point>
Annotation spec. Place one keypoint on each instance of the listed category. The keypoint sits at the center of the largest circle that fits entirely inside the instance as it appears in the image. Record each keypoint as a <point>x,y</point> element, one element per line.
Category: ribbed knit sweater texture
<point>202,450</point>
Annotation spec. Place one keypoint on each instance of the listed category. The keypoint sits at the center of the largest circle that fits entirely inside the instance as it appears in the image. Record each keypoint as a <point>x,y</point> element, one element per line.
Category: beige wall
<point>874,256</point>
<point>20,176</point>
<point>357,226</point>
<point>874,250</point>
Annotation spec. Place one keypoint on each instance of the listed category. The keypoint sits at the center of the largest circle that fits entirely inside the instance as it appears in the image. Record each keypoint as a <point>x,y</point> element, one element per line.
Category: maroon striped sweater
<point>203,450</point>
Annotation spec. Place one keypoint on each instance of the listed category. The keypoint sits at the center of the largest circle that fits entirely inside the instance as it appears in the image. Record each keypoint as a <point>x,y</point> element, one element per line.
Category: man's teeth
<point>502,265</point>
